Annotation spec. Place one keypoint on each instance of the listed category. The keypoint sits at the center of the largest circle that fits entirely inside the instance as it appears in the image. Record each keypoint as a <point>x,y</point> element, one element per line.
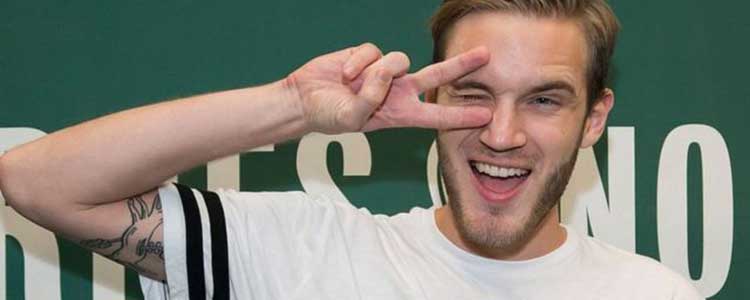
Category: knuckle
<point>371,48</point>
<point>352,50</point>
<point>382,75</point>
<point>349,122</point>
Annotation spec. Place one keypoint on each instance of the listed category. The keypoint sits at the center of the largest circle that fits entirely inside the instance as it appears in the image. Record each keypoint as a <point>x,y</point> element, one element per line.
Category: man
<point>517,89</point>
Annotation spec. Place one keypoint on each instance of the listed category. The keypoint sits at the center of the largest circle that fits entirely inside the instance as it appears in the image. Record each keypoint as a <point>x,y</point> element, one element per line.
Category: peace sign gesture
<point>359,89</point>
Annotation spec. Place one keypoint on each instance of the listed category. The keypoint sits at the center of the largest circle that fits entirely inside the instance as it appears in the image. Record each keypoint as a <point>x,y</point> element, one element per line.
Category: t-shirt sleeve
<point>186,210</point>
<point>241,245</point>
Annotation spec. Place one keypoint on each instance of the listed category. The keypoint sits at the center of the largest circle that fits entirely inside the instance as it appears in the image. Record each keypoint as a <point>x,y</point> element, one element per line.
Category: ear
<point>596,121</point>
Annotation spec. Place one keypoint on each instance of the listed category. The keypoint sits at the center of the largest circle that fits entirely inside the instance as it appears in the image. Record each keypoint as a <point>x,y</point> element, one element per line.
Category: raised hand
<point>359,89</point>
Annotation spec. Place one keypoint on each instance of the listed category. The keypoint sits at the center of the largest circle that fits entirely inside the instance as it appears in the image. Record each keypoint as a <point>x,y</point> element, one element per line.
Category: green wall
<point>63,62</point>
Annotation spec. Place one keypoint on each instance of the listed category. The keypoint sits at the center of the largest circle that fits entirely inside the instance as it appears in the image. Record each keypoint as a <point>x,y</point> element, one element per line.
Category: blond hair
<point>598,22</point>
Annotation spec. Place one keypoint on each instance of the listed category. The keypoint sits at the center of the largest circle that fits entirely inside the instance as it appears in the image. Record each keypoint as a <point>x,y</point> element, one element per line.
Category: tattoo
<point>136,243</point>
<point>148,247</point>
<point>96,244</point>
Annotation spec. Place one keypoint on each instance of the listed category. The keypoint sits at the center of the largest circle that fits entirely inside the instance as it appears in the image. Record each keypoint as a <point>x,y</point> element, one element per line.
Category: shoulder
<point>415,221</point>
<point>635,270</point>
<point>259,210</point>
<point>608,256</point>
<point>287,203</point>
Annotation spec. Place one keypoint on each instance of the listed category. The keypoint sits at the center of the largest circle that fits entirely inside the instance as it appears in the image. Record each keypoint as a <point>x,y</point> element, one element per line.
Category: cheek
<point>554,139</point>
<point>453,140</point>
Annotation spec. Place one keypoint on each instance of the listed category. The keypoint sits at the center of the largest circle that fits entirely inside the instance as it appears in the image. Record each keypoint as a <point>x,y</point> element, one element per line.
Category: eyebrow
<point>470,84</point>
<point>553,85</point>
<point>545,86</point>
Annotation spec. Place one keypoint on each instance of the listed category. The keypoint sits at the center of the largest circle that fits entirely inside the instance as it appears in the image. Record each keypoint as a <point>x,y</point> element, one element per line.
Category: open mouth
<point>498,184</point>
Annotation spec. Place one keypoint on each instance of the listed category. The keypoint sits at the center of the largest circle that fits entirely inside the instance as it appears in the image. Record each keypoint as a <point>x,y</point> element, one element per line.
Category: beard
<point>496,232</point>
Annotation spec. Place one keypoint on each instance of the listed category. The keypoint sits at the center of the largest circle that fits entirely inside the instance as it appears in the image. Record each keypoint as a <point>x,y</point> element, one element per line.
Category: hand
<point>359,89</point>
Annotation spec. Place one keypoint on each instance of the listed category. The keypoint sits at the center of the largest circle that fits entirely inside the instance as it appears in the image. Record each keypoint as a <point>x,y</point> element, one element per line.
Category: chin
<point>510,223</point>
<point>499,200</point>
<point>492,227</point>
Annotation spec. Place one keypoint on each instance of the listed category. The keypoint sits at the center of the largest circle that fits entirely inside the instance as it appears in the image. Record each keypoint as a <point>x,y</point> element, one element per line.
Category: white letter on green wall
<point>585,201</point>
<point>312,161</point>
<point>718,210</point>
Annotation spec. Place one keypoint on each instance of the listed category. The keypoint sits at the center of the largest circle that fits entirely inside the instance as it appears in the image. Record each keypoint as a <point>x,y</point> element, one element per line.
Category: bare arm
<point>127,153</point>
<point>132,234</point>
<point>94,182</point>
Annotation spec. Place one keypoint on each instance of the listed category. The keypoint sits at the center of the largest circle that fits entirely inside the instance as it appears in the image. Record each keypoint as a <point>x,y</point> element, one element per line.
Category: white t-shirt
<point>294,246</point>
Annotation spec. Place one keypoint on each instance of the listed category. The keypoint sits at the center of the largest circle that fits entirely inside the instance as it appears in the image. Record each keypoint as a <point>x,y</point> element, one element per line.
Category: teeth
<point>501,172</point>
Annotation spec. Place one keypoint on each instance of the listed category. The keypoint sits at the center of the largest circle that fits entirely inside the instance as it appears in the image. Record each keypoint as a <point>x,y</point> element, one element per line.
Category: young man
<point>518,89</point>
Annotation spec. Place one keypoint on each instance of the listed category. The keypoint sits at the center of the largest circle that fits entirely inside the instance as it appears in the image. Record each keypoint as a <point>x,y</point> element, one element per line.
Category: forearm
<point>130,152</point>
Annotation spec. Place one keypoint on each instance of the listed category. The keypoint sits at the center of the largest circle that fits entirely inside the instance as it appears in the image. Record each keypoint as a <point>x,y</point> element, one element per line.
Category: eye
<point>544,101</point>
<point>471,97</point>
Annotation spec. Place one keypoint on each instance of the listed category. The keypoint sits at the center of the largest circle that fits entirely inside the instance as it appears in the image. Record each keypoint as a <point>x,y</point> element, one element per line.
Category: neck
<point>547,236</point>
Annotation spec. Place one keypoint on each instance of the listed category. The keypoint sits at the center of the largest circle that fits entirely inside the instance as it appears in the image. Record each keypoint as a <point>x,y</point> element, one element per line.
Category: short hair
<point>596,18</point>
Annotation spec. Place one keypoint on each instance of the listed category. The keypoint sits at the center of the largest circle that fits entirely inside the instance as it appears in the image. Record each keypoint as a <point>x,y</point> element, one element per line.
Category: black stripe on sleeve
<point>219,255</point>
<point>193,243</point>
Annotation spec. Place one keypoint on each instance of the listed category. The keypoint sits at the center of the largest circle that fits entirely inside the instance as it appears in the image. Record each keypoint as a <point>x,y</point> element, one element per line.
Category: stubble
<point>494,233</point>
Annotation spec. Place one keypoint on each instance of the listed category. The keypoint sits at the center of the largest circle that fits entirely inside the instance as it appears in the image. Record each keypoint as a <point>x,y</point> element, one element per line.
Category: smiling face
<point>504,179</point>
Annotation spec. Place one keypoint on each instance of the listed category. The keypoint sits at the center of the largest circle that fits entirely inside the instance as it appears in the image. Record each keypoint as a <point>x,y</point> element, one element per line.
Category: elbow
<point>11,187</point>
<point>5,190</point>
<point>20,187</point>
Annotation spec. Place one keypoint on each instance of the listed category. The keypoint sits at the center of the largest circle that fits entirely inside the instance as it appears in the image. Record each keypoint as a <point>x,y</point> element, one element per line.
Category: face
<point>503,179</point>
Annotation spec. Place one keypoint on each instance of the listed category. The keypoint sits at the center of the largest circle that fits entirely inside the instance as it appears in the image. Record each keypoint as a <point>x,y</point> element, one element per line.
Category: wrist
<point>292,99</point>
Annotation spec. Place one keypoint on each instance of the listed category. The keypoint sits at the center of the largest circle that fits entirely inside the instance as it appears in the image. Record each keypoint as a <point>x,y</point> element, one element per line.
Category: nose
<point>506,131</point>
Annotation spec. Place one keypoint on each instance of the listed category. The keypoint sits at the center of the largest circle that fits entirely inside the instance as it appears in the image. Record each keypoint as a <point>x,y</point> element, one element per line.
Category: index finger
<point>444,72</point>
<point>441,117</point>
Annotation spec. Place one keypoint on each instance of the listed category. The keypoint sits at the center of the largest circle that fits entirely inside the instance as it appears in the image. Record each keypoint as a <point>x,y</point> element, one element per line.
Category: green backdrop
<point>679,68</point>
